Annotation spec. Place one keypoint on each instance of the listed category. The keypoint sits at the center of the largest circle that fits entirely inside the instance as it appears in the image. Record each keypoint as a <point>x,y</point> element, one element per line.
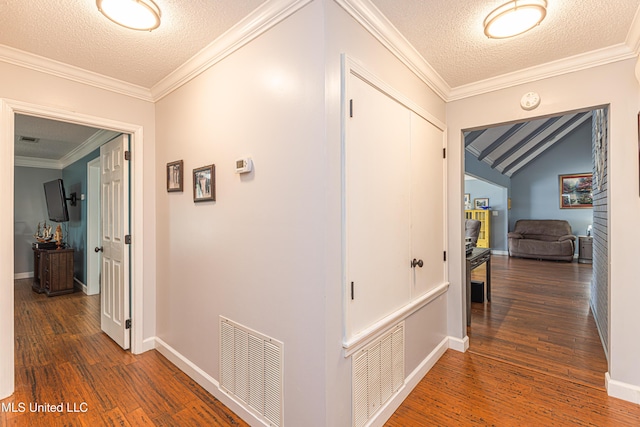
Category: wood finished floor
<point>63,357</point>
<point>534,358</point>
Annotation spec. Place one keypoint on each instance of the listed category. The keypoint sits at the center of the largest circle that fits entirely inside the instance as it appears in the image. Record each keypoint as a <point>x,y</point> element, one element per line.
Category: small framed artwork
<point>204,184</point>
<point>482,203</point>
<point>175,176</point>
<point>467,200</point>
<point>576,191</point>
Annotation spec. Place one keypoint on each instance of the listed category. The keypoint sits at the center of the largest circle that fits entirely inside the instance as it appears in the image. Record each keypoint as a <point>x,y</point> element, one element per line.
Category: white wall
<point>426,328</point>
<point>82,101</point>
<point>267,253</point>
<point>257,254</point>
<point>612,84</point>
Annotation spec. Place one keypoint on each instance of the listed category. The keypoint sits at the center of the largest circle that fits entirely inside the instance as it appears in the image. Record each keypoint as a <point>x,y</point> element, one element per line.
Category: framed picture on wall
<point>175,176</point>
<point>481,203</point>
<point>576,191</point>
<point>467,201</point>
<point>204,184</point>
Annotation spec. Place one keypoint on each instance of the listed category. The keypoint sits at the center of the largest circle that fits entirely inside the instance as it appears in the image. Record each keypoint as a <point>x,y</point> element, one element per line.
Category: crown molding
<point>367,15</point>
<point>633,36</point>
<point>91,144</point>
<point>35,162</point>
<point>370,17</point>
<point>575,63</point>
<point>70,72</point>
<point>248,29</point>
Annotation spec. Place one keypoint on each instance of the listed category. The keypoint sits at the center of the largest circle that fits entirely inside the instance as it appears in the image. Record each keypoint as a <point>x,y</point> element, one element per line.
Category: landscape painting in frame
<point>576,191</point>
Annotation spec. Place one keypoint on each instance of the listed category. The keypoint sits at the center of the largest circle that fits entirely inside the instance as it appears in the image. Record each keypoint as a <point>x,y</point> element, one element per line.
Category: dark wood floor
<point>534,358</point>
<point>62,357</point>
<point>539,318</point>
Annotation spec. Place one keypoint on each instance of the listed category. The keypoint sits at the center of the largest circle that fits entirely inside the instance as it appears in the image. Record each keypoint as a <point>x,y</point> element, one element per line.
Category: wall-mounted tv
<point>56,200</point>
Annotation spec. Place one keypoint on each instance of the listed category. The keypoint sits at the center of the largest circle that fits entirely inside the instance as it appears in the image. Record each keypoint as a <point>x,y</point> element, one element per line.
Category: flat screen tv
<point>56,200</point>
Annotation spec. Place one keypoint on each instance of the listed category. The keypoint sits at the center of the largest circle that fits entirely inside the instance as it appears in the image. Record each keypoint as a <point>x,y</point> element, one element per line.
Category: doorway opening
<point>8,111</point>
<point>529,158</point>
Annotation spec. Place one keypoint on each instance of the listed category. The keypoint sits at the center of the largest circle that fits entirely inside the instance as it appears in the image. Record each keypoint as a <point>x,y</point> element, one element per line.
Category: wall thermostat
<point>244,165</point>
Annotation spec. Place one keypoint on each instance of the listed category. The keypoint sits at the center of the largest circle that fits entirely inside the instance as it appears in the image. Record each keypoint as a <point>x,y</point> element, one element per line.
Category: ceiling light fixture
<point>141,15</point>
<point>514,17</point>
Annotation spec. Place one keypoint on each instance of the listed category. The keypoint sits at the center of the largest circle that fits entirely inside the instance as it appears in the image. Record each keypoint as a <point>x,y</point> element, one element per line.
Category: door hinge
<point>127,239</point>
<point>444,153</point>
<point>445,255</point>
<point>127,155</point>
<point>352,291</point>
<point>127,324</point>
<point>351,108</point>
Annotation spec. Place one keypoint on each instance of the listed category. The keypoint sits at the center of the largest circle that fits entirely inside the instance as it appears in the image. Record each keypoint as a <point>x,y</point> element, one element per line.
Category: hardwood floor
<point>62,357</point>
<point>534,358</point>
<point>539,318</point>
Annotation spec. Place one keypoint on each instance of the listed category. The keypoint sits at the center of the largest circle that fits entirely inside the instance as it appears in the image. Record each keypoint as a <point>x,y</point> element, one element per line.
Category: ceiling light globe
<point>141,15</point>
<point>514,17</point>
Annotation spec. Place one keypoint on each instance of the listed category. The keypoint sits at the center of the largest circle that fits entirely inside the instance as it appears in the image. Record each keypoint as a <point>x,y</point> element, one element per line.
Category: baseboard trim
<point>25,275</point>
<point>410,383</point>
<point>620,390</point>
<point>80,285</point>
<point>457,344</point>
<point>205,380</point>
<point>499,252</point>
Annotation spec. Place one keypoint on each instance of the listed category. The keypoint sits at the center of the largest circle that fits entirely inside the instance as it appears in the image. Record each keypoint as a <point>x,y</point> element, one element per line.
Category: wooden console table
<point>53,271</point>
<point>475,259</point>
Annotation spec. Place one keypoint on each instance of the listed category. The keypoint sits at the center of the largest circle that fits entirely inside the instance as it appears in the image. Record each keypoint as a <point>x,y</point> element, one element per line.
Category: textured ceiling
<point>447,33</point>
<point>76,33</point>
<point>450,36</point>
<point>53,139</point>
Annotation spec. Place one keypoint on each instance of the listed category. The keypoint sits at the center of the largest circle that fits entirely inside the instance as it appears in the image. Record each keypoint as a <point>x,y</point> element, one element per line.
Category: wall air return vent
<point>252,371</point>
<point>28,139</point>
<point>378,374</point>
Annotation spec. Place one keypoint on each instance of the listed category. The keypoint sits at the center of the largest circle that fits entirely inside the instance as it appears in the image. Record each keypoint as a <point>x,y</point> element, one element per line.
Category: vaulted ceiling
<point>509,148</point>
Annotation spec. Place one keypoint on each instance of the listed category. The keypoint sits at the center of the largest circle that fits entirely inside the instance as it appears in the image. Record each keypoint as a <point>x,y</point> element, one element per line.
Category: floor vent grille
<point>378,373</point>
<point>251,370</point>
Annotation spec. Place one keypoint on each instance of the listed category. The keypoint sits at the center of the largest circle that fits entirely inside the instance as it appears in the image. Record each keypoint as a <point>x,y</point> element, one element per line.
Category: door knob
<point>99,249</point>
<point>417,262</point>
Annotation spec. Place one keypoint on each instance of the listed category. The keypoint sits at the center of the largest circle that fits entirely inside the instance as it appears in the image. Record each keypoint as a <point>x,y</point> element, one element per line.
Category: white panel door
<point>427,205</point>
<point>377,206</point>
<point>114,297</point>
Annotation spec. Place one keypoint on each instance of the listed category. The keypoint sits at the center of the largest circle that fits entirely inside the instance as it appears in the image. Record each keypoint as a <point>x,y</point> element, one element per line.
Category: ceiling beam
<point>546,140</point>
<point>472,136</point>
<point>498,142</point>
<point>537,131</point>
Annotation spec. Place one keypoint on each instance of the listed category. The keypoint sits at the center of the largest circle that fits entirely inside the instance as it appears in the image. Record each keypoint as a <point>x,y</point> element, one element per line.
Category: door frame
<point>8,109</point>
<point>93,226</point>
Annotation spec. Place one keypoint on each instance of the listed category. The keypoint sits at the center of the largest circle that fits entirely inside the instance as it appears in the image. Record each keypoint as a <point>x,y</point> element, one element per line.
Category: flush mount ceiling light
<point>141,15</point>
<point>514,17</point>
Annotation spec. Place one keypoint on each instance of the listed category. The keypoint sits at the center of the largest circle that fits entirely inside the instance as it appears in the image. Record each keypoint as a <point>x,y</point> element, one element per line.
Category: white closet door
<point>377,206</point>
<point>427,205</point>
